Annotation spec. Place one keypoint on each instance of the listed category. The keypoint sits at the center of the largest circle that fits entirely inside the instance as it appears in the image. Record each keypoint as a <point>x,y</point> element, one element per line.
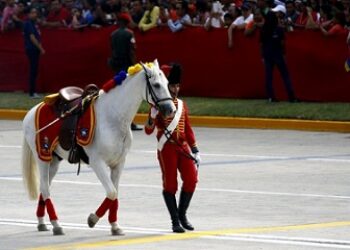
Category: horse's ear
<point>156,64</point>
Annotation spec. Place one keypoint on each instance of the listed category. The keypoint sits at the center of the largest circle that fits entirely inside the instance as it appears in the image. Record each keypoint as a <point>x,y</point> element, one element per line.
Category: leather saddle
<point>71,104</point>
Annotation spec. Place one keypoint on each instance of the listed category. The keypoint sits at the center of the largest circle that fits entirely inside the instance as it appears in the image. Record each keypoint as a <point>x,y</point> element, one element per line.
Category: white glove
<point>154,112</point>
<point>197,157</point>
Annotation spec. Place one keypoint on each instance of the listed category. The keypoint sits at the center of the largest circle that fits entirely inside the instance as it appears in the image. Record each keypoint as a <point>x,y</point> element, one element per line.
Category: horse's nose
<point>168,109</point>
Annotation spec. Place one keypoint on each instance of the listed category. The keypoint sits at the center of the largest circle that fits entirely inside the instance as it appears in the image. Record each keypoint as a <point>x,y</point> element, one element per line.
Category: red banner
<point>316,63</point>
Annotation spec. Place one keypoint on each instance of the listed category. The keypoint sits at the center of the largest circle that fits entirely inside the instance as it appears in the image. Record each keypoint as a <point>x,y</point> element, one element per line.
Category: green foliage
<point>226,107</point>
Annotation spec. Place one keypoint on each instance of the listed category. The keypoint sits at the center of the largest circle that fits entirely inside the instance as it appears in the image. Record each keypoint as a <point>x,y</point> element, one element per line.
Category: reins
<point>150,91</point>
<point>167,134</point>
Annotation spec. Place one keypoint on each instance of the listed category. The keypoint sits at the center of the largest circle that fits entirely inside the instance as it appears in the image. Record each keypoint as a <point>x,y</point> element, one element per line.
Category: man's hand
<point>197,158</point>
<point>154,112</point>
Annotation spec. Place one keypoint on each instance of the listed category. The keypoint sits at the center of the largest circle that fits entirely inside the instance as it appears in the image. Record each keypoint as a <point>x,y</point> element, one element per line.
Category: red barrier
<point>211,69</point>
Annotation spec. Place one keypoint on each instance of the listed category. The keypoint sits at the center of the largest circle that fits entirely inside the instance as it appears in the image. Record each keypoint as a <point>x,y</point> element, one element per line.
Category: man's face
<point>174,89</point>
<point>33,14</point>
<point>55,5</point>
<point>290,8</point>
<point>261,4</point>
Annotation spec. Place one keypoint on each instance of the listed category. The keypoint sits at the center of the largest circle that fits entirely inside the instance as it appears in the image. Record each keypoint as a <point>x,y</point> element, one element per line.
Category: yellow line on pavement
<point>190,235</point>
<point>231,122</point>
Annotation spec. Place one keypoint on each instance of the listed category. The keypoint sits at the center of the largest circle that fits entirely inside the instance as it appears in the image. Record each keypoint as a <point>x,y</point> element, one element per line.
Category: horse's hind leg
<point>47,172</point>
<point>40,212</point>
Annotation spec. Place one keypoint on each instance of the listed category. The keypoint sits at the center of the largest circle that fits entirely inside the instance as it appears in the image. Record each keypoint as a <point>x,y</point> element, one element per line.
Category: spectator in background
<point>41,6</point>
<point>78,20</point>
<point>33,48</point>
<point>88,11</point>
<point>203,12</point>
<point>150,17</point>
<point>291,13</point>
<point>215,19</point>
<point>172,10</point>
<point>228,20</point>
<point>346,5</point>
<point>272,42</point>
<point>337,6</point>
<point>326,16</point>
<point>240,22</point>
<point>257,22</point>
<point>58,15</point>
<point>338,26</point>
<point>8,16</point>
<point>105,12</point>
<point>163,15</point>
<point>20,16</point>
<point>123,47</point>
<point>192,10</point>
<point>70,4</point>
<point>136,12</point>
<point>252,4</point>
<point>183,18</point>
<point>307,16</point>
<point>109,9</point>
<point>281,11</point>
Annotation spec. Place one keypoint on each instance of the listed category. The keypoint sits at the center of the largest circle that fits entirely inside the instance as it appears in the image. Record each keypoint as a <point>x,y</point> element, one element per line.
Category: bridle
<point>150,91</point>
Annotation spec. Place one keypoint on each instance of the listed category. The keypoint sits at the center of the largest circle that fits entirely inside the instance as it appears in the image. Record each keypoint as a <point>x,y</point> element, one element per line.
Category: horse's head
<point>157,92</point>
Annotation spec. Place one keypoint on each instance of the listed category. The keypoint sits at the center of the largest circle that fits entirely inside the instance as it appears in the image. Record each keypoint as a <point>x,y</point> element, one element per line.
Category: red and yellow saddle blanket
<point>47,139</point>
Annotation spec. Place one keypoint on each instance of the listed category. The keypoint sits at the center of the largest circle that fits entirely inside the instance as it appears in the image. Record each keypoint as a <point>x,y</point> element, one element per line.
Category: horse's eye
<point>157,85</point>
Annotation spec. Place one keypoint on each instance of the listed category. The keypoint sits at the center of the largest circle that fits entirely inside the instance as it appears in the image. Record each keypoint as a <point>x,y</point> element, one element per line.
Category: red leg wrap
<point>103,208</point>
<point>40,211</point>
<point>50,209</point>
<point>112,216</point>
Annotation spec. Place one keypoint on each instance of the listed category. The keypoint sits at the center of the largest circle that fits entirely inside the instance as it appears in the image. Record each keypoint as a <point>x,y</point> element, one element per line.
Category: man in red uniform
<point>174,153</point>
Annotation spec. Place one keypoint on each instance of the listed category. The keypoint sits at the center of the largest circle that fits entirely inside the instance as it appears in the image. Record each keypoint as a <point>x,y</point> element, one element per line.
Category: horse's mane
<point>123,76</point>
<point>132,70</point>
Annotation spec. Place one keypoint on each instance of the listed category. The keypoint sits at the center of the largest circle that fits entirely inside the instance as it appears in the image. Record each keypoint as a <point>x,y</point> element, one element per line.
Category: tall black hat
<point>174,76</point>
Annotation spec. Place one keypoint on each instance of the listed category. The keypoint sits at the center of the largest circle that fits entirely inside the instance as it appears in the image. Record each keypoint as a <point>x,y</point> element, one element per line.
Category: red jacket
<point>182,133</point>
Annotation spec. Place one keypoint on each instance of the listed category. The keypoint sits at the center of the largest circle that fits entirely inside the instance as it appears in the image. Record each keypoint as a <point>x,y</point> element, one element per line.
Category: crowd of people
<point>328,16</point>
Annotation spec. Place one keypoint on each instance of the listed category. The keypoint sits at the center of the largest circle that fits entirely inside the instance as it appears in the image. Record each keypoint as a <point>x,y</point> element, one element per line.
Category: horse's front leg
<point>47,173</point>
<point>116,172</point>
<point>110,202</point>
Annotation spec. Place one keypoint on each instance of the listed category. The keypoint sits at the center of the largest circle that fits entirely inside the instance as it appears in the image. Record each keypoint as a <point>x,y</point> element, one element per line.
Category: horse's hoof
<point>58,231</point>
<point>92,220</point>
<point>117,231</point>
<point>42,228</point>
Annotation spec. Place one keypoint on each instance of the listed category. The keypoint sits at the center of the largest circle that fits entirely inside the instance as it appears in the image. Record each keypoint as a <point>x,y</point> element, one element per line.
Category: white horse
<point>114,111</point>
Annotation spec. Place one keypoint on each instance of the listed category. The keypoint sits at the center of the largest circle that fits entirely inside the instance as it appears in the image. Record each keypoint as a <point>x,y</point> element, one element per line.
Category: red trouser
<point>171,159</point>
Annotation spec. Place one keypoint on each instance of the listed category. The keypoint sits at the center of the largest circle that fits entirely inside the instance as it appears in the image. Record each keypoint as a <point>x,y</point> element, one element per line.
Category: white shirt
<point>240,20</point>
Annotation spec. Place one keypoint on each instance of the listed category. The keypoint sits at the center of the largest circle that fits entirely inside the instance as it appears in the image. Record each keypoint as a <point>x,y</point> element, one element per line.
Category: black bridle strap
<point>167,134</point>
<point>150,90</point>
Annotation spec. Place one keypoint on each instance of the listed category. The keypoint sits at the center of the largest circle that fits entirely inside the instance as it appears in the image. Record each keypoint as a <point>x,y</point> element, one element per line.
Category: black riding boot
<point>170,202</point>
<point>185,199</point>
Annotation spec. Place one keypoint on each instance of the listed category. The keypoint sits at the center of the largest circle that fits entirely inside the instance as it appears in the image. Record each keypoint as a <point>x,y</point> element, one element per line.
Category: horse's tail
<point>29,171</point>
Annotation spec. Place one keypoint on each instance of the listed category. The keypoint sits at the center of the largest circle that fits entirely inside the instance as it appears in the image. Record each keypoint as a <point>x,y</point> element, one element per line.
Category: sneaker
<point>295,100</point>
<point>35,96</point>
<point>135,127</point>
<point>272,100</point>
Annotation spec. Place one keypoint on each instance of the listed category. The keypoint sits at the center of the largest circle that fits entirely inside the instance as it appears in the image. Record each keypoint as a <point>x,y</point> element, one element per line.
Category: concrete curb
<point>229,122</point>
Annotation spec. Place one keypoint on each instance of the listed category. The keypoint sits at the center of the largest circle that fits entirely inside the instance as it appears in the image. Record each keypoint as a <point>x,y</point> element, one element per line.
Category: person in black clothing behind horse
<point>123,49</point>
<point>33,48</point>
<point>272,42</point>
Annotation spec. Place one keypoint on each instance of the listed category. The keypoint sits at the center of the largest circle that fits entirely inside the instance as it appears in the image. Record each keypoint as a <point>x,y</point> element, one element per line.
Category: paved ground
<point>258,189</point>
